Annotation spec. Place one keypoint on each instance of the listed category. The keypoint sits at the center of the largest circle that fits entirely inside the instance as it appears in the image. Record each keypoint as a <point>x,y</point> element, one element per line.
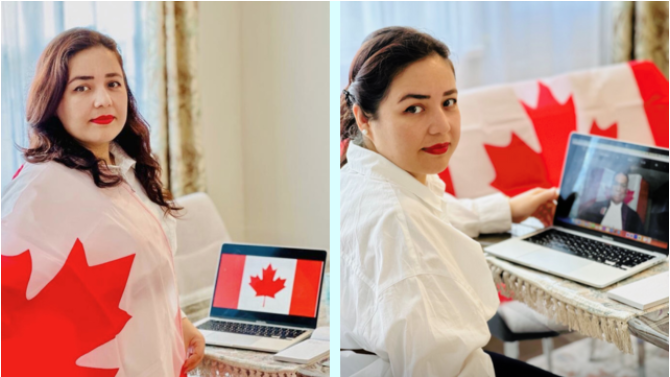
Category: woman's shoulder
<point>366,200</point>
<point>46,181</point>
<point>374,203</point>
<point>50,171</point>
<point>25,175</point>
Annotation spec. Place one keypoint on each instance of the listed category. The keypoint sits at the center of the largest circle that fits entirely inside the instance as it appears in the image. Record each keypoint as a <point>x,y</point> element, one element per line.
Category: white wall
<point>219,65</point>
<point>264,81</point>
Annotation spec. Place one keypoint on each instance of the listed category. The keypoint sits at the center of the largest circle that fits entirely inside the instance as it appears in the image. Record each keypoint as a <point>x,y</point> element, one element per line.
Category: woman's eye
<point>81,89</point>
<point>114,84</point>
<point>414,109</point>
<point>450,102</point>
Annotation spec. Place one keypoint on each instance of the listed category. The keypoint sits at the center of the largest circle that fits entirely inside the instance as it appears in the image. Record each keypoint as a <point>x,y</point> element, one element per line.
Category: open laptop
<point>611,220</point>
<point>266,298</point>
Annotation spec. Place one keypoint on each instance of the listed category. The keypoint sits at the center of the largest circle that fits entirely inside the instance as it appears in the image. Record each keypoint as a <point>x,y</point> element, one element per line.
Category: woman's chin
<point>437,166</point>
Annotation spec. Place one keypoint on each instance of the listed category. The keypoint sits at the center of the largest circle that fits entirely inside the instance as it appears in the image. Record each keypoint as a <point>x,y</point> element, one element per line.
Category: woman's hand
<point>194,343</point>
<point>537,202</point>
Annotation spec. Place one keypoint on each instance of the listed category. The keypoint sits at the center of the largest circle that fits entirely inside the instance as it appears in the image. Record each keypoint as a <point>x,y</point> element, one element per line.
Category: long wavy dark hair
<point>51,142</point>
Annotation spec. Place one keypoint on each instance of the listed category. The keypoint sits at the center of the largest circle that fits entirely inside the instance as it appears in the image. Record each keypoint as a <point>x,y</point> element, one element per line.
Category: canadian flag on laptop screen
<point>267,284</point>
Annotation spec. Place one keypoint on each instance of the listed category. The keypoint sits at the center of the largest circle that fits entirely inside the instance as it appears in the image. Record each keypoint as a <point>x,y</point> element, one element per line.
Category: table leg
<point>547,347</point>
<point>640,358</point>
<point>511,349</point>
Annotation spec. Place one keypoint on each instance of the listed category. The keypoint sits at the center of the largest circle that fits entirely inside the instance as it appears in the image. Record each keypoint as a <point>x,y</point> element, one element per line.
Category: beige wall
<point>220,67</point>
<point>264,71</point>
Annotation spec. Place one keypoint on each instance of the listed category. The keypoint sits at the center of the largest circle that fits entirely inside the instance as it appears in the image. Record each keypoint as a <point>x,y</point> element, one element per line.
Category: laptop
<point>266,298</point>
<point>611,219</point>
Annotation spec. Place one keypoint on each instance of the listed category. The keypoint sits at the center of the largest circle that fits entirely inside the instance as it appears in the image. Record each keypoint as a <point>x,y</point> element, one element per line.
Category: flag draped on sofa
<point>514,137</point>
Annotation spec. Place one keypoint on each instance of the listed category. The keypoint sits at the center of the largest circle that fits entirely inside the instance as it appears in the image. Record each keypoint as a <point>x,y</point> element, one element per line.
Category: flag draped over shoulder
<point>88,286</point>
<point>515,136</point>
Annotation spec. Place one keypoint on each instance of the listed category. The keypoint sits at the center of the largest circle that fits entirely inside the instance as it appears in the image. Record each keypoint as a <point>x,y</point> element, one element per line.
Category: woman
<point>88,215</point>
<point>416,290</point>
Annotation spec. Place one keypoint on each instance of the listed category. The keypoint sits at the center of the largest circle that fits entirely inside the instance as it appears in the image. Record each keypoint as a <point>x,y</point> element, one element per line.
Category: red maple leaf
<point>519,168</point>
<point>76,312</point>
<point>653,88</point>
<point>612,131</point>
<point>267,286</point>
<point>449,184</point>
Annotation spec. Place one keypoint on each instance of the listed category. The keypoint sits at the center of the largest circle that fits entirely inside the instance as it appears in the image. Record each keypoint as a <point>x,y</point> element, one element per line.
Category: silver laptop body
<point>582,245</point>
<point>262,331</point>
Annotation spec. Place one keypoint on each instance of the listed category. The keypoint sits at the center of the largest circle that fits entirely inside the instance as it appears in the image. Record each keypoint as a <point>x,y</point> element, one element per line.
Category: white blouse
<point>415,288</point>
<point>125,166</point>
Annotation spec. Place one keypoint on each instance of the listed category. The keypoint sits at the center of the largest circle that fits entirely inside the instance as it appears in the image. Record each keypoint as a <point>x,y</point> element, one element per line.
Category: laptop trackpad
<point>599,274</point>
<point>549,260</point>
<point>229,339</point>
<point>272,343</point>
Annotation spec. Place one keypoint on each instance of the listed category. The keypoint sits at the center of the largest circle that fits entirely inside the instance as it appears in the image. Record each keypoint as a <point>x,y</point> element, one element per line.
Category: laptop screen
<point>616,190</point>
<point>272,284</point>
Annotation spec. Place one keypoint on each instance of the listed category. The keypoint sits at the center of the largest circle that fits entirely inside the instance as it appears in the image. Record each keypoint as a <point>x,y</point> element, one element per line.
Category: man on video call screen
<point>614,212</point>
<point>621,191</point>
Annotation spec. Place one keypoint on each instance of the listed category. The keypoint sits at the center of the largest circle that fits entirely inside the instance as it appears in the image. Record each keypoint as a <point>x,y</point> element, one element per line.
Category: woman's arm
<point>488,214</point>
<point>431,326</point>
<point>496,213</point>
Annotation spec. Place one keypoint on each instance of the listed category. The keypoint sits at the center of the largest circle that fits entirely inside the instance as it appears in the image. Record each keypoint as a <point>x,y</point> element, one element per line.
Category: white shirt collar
<point>614,205</point>
<point>123,162</point>
<point>369,163</point>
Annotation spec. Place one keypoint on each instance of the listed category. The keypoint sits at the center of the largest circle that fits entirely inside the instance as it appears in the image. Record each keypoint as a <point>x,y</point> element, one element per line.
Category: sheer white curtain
<point>27,27</point>
<point>492,42</point>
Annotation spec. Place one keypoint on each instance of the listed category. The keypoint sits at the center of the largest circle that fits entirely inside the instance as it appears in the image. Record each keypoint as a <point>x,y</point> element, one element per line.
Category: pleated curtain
<point>172,94</point>
<point>641,32</point>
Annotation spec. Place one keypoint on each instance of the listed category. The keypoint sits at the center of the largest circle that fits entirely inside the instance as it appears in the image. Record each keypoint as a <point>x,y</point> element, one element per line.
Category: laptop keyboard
<point>590,249</point>
<point>251,329</point>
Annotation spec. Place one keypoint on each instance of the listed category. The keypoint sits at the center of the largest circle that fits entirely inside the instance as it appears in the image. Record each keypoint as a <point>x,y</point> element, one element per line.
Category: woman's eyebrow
<point>416,96</point>
<point>84,78</point>
<point>423,96</point>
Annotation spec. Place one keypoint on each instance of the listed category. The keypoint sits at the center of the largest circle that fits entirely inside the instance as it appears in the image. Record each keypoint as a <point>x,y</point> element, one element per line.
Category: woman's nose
<point>102,98</point>
<point>441,124</point>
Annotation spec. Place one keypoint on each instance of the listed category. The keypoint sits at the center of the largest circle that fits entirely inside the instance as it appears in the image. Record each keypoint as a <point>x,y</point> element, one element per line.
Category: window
<point>492,42</point>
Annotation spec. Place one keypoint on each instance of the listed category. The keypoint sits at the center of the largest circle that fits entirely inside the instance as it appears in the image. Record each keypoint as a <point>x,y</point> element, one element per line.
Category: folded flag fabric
<point>88,286</point>
<point>515,136</point>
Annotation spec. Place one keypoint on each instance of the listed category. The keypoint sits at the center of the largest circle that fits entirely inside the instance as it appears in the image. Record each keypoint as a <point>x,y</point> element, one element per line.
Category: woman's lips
<point>437,148</point>
<point>103,119</point>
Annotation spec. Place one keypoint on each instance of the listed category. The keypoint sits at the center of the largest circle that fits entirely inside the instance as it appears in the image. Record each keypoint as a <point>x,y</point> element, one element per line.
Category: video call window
<point>616,189</point>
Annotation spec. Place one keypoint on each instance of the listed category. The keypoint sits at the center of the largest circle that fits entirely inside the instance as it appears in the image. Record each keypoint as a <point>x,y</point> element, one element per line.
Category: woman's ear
<point>362,121</point>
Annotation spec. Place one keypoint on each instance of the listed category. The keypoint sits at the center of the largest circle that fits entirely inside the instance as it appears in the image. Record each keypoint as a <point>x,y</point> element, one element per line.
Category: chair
<point>516,321</point>
<point>510,339</point>
<point>200,234</point>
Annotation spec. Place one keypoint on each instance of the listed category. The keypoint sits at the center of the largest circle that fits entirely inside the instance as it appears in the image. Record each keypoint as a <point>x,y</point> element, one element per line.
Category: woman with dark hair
<point>89,219</point>
<point>416,290</point>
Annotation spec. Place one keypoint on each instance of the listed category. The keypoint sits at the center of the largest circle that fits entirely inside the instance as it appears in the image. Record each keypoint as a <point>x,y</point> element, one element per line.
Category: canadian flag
<point>87,280</point>
<point>267,284</point>
<point>514,137</point>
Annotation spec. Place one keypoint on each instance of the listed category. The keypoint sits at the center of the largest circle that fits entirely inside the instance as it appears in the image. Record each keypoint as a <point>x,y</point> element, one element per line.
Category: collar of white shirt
<point>123,162</point>
<point>369,163</point>
<point>614,206</point>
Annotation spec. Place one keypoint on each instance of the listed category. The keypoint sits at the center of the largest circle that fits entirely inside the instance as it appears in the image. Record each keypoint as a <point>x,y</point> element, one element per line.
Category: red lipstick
<point>103,119</point>
<point>437,148</point>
